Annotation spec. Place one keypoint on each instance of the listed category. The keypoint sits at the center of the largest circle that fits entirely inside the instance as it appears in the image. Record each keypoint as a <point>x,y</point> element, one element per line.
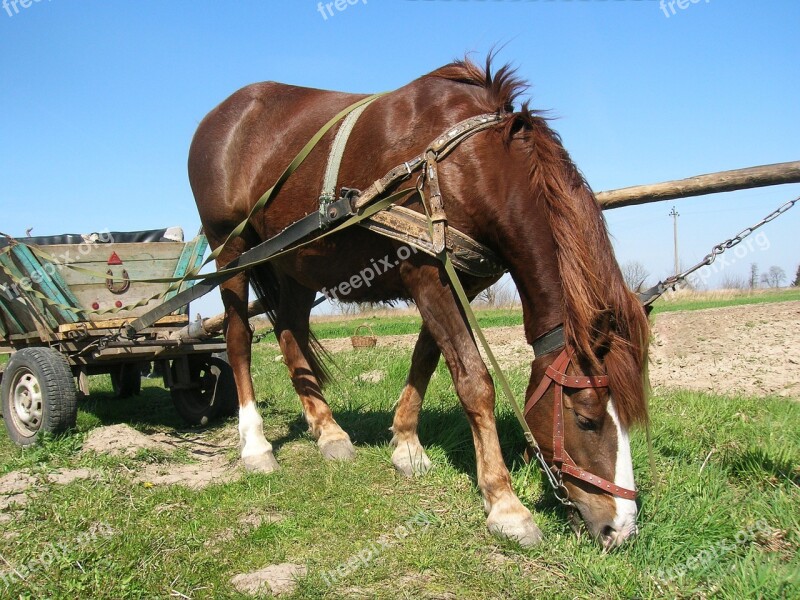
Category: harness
<point>429,233</point>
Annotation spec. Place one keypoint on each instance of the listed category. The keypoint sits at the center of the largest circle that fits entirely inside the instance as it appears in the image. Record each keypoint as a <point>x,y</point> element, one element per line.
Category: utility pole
<point>674,214</point>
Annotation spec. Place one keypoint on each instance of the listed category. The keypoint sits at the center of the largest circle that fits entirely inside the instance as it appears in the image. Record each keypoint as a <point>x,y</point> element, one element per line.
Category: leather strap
<point>436,213</point>
<point>570,468</point>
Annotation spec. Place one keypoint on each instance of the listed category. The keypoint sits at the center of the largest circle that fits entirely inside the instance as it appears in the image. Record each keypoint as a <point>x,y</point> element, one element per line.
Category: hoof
<point>341,449</point>
<point>516,525</point>
<point>261,463</point>
<point>525,534</point>
<point>410,460</point>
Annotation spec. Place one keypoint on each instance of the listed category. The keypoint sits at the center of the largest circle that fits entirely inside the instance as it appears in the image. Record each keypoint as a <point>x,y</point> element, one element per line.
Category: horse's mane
<point>594,291</point>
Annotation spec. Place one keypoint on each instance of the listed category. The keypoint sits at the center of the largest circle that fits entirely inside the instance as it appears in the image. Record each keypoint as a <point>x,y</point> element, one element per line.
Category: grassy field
<point>386,323</point>
<point>724,522</point>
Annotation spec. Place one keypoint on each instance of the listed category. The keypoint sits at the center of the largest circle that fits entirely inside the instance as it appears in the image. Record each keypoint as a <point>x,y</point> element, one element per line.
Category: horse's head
<point>520,192</point>
<point>573,414</point>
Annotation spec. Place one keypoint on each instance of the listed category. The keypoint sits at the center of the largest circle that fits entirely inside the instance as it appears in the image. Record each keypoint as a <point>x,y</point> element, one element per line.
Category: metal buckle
<point>332,211</point>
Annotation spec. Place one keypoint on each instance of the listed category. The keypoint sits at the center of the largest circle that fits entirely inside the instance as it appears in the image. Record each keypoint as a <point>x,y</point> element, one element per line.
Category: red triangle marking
<point>114,259</point>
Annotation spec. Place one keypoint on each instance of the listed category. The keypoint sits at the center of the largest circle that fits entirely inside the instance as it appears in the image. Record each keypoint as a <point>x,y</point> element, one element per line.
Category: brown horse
<point>513,188</point>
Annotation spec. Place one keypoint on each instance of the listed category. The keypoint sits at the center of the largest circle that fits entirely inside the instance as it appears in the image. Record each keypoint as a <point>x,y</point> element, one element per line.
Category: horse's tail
<point>268,289</point>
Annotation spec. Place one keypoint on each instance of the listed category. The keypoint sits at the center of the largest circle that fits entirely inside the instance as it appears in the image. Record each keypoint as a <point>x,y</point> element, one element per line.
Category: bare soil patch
<point>118,440</point>
<point>208,451</point>
<point>752,350</point>
<point>278,579</point>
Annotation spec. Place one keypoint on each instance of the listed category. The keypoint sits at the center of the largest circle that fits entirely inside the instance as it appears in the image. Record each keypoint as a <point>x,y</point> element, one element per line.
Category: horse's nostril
<point>608,531</point>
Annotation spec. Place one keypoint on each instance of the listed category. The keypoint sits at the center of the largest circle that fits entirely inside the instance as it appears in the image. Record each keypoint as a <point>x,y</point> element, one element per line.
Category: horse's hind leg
<point>256,451</point>
<point>409,456</point>
<point>292,331</point>
<point>506,515</point>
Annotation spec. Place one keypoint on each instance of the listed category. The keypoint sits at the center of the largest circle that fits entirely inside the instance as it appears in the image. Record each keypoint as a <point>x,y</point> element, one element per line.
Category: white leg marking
<point>251,432</point>
<point>625,520</point>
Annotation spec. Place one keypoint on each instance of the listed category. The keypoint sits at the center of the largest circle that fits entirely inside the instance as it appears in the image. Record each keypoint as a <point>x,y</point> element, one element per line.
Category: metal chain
<point>670,282</point>
<point>556,480</point>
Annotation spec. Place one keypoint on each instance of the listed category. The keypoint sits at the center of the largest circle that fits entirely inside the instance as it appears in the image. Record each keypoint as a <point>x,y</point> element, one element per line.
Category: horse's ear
<point>648,308</point>
<point>517,125</point>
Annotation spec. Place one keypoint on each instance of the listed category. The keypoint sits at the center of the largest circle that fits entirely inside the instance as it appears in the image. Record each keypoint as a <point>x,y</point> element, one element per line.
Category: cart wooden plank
<point>115,324</point>
<point>43,280</point>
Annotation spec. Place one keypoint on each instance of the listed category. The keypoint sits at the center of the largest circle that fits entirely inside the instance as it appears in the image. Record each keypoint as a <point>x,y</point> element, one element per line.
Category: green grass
<point>157,541</point>
<point>700,302</point>
<point>383,324</point>
<point>405,324</point>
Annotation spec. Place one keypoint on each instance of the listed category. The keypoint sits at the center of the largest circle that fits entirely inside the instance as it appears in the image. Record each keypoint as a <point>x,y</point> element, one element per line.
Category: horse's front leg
<point>506,515</point>
<point>409,456</point>
<point>292,331</point>
<point>256,451</point>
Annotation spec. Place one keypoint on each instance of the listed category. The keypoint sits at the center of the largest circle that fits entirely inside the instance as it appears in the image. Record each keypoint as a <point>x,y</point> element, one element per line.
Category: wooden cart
<point>55,297</point>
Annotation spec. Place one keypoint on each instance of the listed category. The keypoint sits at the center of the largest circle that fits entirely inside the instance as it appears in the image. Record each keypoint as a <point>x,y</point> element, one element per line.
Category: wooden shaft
<point>712,183</point>
<point>212,325</point>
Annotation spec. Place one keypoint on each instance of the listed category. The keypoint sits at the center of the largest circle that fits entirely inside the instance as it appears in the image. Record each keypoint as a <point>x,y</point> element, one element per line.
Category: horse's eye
<point>585,424</point>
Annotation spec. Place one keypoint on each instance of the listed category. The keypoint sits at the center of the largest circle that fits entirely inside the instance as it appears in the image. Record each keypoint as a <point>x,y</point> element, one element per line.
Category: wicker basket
<point>363,341</point>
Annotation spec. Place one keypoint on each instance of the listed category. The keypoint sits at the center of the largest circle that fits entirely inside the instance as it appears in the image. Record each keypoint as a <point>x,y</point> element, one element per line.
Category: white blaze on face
<point>625,520</point>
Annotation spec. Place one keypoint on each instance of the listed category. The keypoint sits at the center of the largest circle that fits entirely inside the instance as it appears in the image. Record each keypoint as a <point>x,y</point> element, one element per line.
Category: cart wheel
<point>38,394</point>
<point>127,380</point>
<point>214,392</point>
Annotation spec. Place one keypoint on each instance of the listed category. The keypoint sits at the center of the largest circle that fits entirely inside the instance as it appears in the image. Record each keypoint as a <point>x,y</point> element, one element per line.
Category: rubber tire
<point>59,396</point>
<point>126,380</point>
<point>215,399</point>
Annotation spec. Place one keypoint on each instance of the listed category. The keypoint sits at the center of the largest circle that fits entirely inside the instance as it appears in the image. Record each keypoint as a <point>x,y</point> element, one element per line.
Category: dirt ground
<point>753,349</point>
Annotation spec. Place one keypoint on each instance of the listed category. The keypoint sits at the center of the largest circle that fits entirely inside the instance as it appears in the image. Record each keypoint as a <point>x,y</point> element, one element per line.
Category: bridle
<point>563,463</point>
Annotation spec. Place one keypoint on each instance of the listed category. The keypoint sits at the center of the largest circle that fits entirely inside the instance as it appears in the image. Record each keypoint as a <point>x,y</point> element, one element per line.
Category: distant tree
<point>488,296</point>
<point>734,282</point>
<point>774,277</point>
<point>753,276</point>
<point>797,277</point>
<point>635,275</point>
<point>501,294</point>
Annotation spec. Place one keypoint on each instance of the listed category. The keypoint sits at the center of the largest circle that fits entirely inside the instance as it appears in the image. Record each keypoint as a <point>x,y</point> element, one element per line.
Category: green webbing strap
<point>298,160</point>
<point>473,322</point>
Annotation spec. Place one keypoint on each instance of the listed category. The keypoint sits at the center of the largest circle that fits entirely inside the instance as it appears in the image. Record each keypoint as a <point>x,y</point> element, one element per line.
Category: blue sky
<point>101,99</point>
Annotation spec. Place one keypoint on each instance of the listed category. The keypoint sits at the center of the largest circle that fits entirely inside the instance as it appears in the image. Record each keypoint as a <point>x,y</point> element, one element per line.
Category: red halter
<point>562,461</point>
